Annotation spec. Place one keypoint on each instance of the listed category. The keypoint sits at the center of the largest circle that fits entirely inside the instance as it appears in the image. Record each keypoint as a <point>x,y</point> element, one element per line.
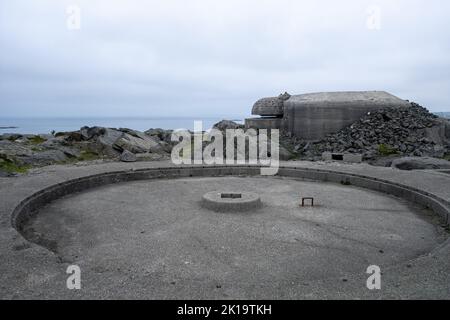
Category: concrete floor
<point>152,238</point>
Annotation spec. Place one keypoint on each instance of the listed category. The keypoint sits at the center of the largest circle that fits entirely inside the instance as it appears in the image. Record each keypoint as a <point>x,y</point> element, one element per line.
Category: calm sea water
<point>46,125</point>
<point>444,114</point>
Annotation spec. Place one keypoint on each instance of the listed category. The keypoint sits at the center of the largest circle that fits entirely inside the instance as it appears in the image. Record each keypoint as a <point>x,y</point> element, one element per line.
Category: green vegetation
<point>87,156</point>
<point>36,140</point>
<point>36,149</point>
<point>11,167</point>
<point>386,150</point>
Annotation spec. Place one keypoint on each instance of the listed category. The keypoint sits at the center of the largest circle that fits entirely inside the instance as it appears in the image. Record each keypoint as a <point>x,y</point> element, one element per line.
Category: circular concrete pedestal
<point>231,201</point>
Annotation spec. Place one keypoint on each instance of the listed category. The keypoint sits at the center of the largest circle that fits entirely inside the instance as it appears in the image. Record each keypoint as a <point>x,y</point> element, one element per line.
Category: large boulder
<point>128,156</point>
<point>140,143</point>
<point>14,149</point>
<point>439,133</point>
<point>43,158</point>
<point>227,124</point>
<point>109,137</point>
<point>101,141</point>
<point>284,154</point>
<point>54,142</point>
<point>420,163</point>
<point>161,134</point>
<point>11,136</point>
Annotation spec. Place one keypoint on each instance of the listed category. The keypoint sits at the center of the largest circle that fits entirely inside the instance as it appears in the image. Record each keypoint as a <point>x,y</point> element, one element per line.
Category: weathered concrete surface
<point>268,107</point>
<point>175,248</point>
<point>311,116</point>
<point>272,107</point>
<point>420,163</point>
<point>264,123</point>
<point>29,270</point>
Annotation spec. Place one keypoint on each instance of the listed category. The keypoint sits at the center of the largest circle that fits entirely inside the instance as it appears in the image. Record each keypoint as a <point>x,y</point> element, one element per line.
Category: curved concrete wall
<point>30,205</point>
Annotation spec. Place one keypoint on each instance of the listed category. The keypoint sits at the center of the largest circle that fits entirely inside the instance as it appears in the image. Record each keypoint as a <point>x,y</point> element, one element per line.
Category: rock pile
<point>397,132</point>
<point>19,152</point>
<point>401,131</point>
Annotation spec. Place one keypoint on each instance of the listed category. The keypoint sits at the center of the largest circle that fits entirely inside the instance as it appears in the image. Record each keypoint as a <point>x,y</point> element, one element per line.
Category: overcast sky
<point>215,57</point>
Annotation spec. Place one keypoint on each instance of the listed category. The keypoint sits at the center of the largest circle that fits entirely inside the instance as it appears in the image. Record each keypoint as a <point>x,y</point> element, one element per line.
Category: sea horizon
<point>45,125</point>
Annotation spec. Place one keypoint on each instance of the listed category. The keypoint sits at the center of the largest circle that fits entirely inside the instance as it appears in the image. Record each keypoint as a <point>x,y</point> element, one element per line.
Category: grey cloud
<point>214,57</point>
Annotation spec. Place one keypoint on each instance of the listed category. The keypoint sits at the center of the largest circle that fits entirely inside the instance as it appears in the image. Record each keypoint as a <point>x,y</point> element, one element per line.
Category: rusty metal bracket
<point>308,198</point>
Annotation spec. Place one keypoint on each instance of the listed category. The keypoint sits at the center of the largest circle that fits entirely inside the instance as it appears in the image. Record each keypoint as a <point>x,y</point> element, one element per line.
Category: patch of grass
<point>36,140</point>
<point>36,149</point>
<point>386,150</point>
<point>11,167</point>
<point>88,155</point>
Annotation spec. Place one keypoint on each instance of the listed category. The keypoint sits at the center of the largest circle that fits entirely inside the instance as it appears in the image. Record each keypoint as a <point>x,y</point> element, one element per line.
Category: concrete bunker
<point>311,116</point>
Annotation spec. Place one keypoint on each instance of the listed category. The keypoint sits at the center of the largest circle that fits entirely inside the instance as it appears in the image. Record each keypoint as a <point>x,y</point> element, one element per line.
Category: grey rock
<point>109,137</point>
<point>161,134</point>
<point>392,127</point>
<point>11,136</point>
<point>88,133</point>
<point>138,144</point>
<point>74,136</point>
<point>227,124</point>
<point>10,148</point>
<point>127,156</point>
<point>70,152</point>
<point>284,154</point>
<point>134,133</point>
<point>53,142</point>
<point>101,141</point>
<point>152,156</point>
<point>420,163</point>
<point>4,174</point>
<point>47,157</point>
